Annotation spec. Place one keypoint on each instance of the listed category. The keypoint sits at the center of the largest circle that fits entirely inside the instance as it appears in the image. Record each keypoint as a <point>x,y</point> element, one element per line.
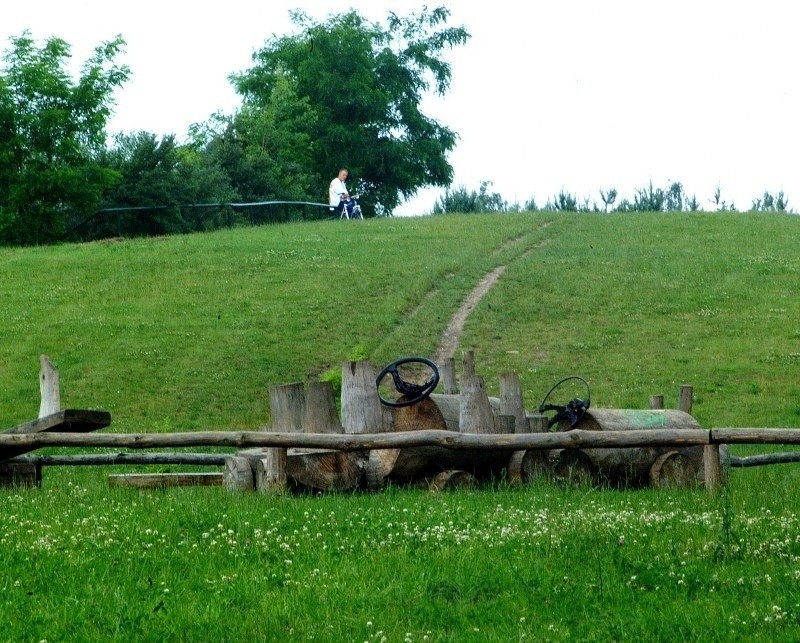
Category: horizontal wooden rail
<point>578,439</point>
<point>755,436</point>
<point>355,442</point>
<point>109,459</point>
<point>763,459</point>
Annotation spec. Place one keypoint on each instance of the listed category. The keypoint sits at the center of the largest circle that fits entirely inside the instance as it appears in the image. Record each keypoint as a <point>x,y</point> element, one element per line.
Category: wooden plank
<point>64,421</point>
<point>159,480</point>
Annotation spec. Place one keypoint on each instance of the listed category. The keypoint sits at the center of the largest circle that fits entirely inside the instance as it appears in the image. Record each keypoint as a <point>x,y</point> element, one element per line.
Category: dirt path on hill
<point>452,334</point>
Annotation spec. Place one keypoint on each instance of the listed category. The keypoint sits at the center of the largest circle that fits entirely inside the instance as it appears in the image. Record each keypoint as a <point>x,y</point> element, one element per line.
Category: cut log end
<point>451,479</point>
<point>573,467</point>
<point>672,470</point>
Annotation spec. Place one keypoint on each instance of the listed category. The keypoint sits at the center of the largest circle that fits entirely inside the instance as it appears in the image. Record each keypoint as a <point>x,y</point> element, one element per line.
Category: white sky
<point>574,94</point>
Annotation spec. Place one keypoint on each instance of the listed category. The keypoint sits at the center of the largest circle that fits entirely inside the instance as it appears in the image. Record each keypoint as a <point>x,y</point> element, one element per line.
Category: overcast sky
<point>578,95</point>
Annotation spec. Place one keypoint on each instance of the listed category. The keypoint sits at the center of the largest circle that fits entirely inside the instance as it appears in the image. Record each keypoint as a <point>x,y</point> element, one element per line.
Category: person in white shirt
<point>340,198</point>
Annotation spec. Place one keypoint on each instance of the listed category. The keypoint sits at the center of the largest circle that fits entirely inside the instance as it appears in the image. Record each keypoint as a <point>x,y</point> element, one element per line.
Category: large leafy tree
<point>266,149</point>
<point>52,129</point>
<point>364,83</point>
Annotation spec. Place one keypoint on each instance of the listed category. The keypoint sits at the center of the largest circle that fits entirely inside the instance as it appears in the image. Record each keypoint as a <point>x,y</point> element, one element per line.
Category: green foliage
<point>361,85</point>
<point>608,197</point>
<point>157,178</point>
<point>266,147</point>
<point>463,201</point>
<point>563,202</point>
<point>51,131</point>
<point>771,203</point>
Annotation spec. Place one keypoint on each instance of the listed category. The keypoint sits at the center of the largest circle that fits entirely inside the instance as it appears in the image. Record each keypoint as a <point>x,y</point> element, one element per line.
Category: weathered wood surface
<point>362,411</point>
<point>755,436</point>
<point>577,438</point>
<point>475,414</point>
<point>20,474</point>
<point>64,421</point>
<point>631,467</point>
<point>407,464</point>
<point>320,411</point>
<point>109,459</point>
<point>314,469</point>
<point>512,403</point>
<point>573,467</point>
<point>672,470</point>
<point>270,471</point>
<point>287,407</point>
<point>447,372</point>
<point>158,480</point>
<point>238,474</point>
<point>325,469</point>
<point>449,480</point>
<point>49,387</point>
<point>763,459</point>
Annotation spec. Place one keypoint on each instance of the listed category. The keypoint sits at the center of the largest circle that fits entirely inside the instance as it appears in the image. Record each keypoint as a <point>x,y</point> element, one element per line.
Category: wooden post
<point>475,412</point>
<point>504,423</point>
<point>447,371</point>
<point>361,406</point>
<point>238,474</point>
<point>712,469</point>
<point>49,387</point>
<point>320,409</point>
<point>685,400</point>
<point>538,423</point>
<point>270,471</point>
<point>511,402</point>
<point>287,408</point>
<point>656,402</point>
<point>530,465</point>
<point>468,364</point>
<point>324,469</point>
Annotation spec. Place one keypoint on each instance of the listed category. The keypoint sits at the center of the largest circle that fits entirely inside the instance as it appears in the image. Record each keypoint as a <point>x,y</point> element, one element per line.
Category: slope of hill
<point>188,332</point>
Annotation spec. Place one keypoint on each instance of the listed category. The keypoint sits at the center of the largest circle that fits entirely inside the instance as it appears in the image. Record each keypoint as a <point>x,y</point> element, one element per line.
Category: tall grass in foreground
<point>84,562</point>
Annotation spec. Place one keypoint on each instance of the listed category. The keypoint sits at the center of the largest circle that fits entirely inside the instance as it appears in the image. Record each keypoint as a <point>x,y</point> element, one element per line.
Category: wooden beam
<point>110,459</point>
<point>577,438</point>
<point>755,436</point>
<point>766,458</point>
<point>65,421</point>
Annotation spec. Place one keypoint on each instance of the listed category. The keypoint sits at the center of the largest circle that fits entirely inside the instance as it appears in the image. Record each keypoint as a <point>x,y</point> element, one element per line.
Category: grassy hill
<point>188,332</point>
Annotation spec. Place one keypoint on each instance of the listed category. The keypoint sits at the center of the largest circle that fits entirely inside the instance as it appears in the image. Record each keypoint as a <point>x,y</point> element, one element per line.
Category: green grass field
<point>189,332</point>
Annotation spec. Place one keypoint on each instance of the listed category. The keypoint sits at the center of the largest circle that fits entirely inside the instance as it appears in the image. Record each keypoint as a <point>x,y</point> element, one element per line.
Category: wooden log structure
<point>51,418</point>
<point>632,467</point>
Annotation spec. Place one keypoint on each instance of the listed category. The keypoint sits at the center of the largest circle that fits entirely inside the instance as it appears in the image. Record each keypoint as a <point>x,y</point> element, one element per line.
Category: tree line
<point>649,198</point>
<point>343,92</point>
